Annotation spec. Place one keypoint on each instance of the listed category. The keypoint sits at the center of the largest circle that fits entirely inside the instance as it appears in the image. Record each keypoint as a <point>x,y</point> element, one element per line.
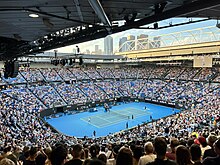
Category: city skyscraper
<point>97,50</point>
<point>142,42</point>
<point>155,43</point>
<point>108,45</point>
<point>122,44</point>
<point>130,43</point>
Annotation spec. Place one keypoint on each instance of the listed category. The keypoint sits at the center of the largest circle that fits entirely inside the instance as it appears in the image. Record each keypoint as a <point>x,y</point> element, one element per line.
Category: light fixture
<point>33,15</point>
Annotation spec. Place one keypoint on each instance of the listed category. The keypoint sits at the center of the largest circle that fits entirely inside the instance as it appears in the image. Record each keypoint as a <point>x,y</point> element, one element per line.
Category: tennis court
<point>105,123</point>
<point>114,117</point>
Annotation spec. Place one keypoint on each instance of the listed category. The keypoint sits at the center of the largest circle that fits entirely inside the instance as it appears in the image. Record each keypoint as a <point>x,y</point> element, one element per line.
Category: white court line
<point>128,111</point>
<point>89,123</point>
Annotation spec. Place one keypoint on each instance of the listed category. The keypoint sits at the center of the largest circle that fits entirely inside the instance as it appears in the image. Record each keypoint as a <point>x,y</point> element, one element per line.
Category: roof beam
<point>78,9</point>
<point>185,9</point>
<point>97,7</point>
<point>47,14</point>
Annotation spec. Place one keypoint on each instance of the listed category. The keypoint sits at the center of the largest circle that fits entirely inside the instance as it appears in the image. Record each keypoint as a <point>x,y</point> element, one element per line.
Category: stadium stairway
<point>113,74</point>
<point>102,89</point>
<point>71,73</point>
<point>42,75</point>
<point>197,73</point>
<point>215,75</point>
<point>167,71</point>
<point>37,97</point>
<point>90,78</point>
<point>84,93</point>
<point>52,85</point>
<point>59,75</point>
<point>102,78</point>
<point>177,78</point>
<point>138,94</point>
<point>23,76</point>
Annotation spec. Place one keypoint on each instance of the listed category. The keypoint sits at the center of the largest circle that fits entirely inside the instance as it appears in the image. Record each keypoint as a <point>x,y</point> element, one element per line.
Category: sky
<point>90,45</point>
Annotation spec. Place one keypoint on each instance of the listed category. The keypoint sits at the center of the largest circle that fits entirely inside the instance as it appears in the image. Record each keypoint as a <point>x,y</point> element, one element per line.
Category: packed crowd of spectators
<point>47,94</point>
<point>79,74</point>
<point>31,74</point>
<point>106,73</point>
<point>92,73</point>
<point>162,72</point>
<point>217,78</point>
<point>110,88</point>
<point>71,93</point>
<point>89,84</point>
<point>188,137</point>
<point>25,98</point>
<point>174,73</point>
<point>206,74</point>
<point>67,75</point>
<point>93,92</point>
<point>50,74</point>
<point>188,73</point>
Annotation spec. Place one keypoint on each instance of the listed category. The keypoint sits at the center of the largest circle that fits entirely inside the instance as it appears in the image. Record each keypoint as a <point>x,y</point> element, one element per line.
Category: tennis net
<point>120,115</point>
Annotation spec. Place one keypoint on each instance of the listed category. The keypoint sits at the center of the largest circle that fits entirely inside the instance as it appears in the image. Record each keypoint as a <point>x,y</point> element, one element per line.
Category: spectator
<point>113,155</point>
<point>173,144</point>
<point>93,162</point>
<point>213,160</point>
<point>203,144</point>
<point>58,155</point>
<point>76,152</point>
<point>210,152</point>
<point>124,156</point>
<point>6,161</point>
<point>103,158</point>
<point>94,151</point>
<point>32,156</point>
<point>40,159</point>
<point>149,154</point>
<point>196,154</point>
<point>160,146</point>
<point>183,156</point>
<point>137,153</point>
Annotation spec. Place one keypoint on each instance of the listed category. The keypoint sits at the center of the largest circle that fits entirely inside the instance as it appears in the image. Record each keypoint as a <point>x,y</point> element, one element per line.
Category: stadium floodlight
<point>33,15</point>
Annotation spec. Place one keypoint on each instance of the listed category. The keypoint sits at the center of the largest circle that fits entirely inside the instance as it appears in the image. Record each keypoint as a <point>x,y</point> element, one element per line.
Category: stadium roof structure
<point>29,27</point>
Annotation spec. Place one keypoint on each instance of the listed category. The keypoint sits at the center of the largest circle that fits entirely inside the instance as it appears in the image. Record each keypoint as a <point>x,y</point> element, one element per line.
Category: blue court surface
<point>83,124</point>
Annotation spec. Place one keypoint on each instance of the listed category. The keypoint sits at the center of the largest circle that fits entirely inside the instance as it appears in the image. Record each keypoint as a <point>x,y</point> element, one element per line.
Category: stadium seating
<point>36,90</point>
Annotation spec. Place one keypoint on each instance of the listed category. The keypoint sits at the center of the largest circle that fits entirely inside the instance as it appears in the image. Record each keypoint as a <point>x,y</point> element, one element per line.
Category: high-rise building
<point>155,43</point>
<point>108,45</point>
<point>142,42</point>
<point>88,51</point>
<point>122,44</point>
<point>97,50</point>
<point>130,37</point>
<point>130,43</point>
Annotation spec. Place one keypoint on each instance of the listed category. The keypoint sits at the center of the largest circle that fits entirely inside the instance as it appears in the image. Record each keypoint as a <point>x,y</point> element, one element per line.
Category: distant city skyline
<point>89,46</point>
<point>108,45</point>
